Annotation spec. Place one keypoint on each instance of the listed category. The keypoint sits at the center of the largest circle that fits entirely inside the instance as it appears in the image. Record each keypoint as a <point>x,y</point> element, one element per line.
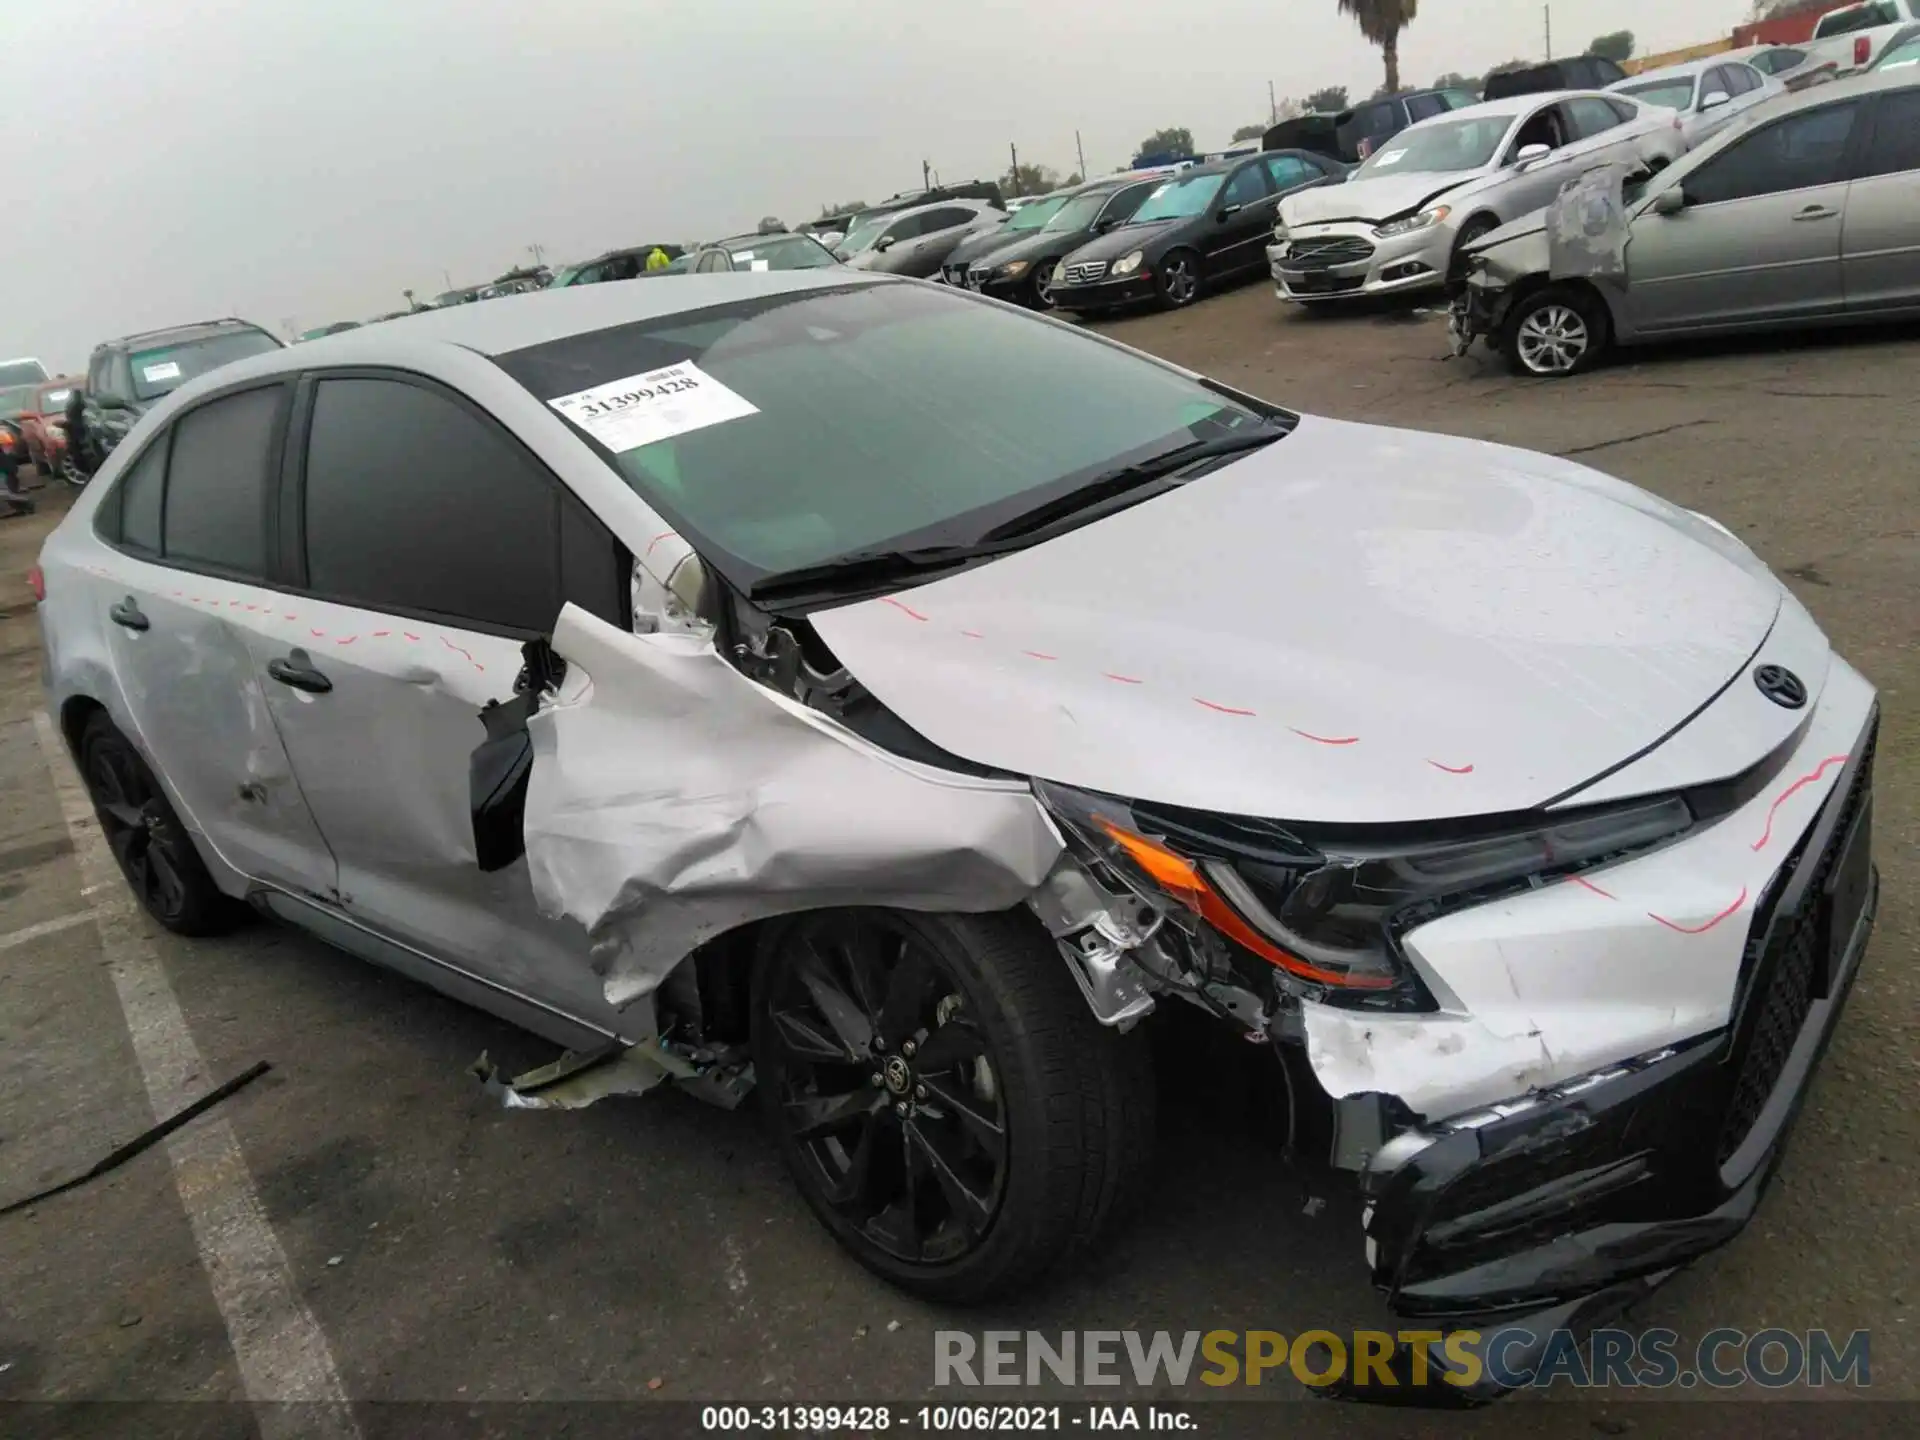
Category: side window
<point>413,503</point>
<point>1425,107</point>
<point>139,498</point>
<point>1591,116</point>
<point>1121,207</point>
<point>1460,99</point>
<point>1803,150</point>
<point>1719,79</point>
<point>712,261</point>
<point>935,220</point>
<point>1378,121</point>
<point>1625,111</point>
<point>908,227</point>
<point>1244,187</point>
<point>1287,171</point>
<point>217,482</point>
<point>1783,60</point>
<point>97,375</point>
<point>1896,134</point>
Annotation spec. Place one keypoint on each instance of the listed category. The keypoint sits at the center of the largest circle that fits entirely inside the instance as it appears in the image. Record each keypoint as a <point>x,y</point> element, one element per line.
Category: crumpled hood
<point>1371,199</point>
<point>1354,625</point>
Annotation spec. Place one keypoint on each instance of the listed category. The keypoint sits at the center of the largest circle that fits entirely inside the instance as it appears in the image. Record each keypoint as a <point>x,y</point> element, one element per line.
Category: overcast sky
<point>307,160</point>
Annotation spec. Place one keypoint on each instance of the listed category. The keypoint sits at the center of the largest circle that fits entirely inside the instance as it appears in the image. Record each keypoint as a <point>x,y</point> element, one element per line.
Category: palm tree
<point>1381,21</point>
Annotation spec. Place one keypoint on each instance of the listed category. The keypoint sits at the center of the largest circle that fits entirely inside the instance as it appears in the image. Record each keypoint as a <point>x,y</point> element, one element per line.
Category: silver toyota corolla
<point>867,693</point>
<point>1404,217</point>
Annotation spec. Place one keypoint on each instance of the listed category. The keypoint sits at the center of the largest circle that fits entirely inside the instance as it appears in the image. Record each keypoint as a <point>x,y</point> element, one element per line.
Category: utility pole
<point>1273,106</point>
<point>1013,175</point>
<point>536,253</point>
<point>926,175</point>
<point>449,278</point>
<point>1547,10</point>
<point>1080,150</point>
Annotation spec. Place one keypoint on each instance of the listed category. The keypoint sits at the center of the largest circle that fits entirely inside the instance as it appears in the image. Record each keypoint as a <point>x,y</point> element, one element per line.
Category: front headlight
<point>1014,269</point>
<point>1407,224</point>
<point>1328,913</point>
<point>1128,263</point>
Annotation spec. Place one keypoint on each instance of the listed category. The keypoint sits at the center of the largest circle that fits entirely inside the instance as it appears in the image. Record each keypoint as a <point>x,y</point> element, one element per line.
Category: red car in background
<point>43,423</point>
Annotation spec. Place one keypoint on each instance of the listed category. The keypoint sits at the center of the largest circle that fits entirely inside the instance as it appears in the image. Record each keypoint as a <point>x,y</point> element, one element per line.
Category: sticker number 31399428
<point>637,410</point>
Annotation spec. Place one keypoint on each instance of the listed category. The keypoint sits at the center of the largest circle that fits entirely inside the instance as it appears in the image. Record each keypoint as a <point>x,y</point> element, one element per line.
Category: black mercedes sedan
<point>1022,266</point>
<point>1203,228</point>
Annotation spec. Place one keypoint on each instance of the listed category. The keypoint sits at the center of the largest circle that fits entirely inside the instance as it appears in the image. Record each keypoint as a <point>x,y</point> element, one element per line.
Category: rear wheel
<point>1555,332</point>
<point>152,847</point>
<point>1178,279</point>
<point>947,1104</point>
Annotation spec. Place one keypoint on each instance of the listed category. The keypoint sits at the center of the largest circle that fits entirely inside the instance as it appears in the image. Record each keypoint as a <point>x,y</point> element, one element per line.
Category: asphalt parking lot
<point>652,1250</point>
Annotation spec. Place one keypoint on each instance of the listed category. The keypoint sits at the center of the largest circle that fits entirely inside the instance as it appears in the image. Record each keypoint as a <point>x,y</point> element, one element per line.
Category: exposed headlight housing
<point>1407,224</point>
<point>1128,263</point>
<point>1328,912</point>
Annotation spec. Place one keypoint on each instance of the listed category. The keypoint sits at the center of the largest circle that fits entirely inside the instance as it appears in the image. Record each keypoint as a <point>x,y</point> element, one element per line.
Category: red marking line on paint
<point>289,617</point>
<point>1223,709</point>
<point>1589,885</point>
<point>381,634</point>
<point>464,651</point>
<point>902,606</point>
<point>348,641</point>
<point>1739,900</point>
<point>973,634</point>
<point>317,634</point>
<point>1791,790</point>
<point>1039,655</point>
<point>1122,679</point>
<point>1452,769</point>
<point>410,635</point>
<point>663,535</point>
<point>1325,739</point>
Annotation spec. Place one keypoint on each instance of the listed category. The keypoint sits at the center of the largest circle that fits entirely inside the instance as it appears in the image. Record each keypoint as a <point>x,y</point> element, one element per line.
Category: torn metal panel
<point>673,799</point>
<point>1096,930</point>
<point>575,1081</point>
<point>1587,226</point>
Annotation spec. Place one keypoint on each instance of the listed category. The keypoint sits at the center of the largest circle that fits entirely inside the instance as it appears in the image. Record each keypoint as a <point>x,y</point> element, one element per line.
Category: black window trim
<point>276,453</point>
<point>1866,131</point>
<point>291,541</point>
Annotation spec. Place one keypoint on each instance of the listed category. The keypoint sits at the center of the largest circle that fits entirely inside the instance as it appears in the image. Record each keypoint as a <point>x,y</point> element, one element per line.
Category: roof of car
<point>1867,82</point>
<point>1686,70</point>
<point>1509,105</point>
<point>974,201</point>
<point>515,322</point>
<point>182,334</point>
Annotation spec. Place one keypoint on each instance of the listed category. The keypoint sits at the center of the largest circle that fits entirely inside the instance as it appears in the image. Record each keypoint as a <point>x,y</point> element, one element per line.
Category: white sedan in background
<point>1707,95</point>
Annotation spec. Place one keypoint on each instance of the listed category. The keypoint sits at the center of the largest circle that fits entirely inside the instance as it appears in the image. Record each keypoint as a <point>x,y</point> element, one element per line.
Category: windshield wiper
<point>1165,466</point>
<point>861,569</point>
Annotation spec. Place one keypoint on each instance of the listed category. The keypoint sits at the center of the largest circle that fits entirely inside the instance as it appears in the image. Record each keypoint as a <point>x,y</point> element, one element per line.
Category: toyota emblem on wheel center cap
<point>1781,686</point>
<point>899,1076</point>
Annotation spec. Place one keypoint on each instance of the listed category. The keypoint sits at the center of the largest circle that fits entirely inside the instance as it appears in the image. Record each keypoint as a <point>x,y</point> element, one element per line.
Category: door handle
<point>295,669</point>
<point>1816,212</point>
<point>126,613</point>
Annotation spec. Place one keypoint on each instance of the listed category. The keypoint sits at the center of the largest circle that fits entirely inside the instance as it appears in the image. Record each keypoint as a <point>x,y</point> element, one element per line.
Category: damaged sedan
<point>1806,213</point>
<point>871,695</point>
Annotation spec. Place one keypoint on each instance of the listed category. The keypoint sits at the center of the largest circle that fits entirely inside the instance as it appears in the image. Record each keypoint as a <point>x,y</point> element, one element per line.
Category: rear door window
<point>414,504</point>
<point>1425,107</point>
<point>1287,171</point>
<point>139,497</point>
<point>1896,134</point>
<point>1247,184</point>
<point>1590,116</point>
<point>218,476</point>
<point>1802,151</point>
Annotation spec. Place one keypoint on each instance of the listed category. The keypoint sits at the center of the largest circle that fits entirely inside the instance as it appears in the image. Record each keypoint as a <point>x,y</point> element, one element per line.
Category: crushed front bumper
<point>1561,1207</point>
<point>1348,261</point>
<point>1477,311</point>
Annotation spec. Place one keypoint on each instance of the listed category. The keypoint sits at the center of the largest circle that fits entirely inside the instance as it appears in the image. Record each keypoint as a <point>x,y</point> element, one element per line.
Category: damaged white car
<point>890,698</point>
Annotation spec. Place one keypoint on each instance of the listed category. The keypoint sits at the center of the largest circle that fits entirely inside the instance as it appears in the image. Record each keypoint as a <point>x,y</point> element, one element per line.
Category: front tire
<point>1474,230</point>
<point>1555,332</point>
<point>152,847</point>
<point>1042,288</point>
<point>1177,281</point>
<point>943,1098</point>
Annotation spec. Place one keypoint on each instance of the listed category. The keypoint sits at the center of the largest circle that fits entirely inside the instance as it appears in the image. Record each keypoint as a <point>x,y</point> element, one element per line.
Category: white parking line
<point>281,1352</point>
<point>46,927</point>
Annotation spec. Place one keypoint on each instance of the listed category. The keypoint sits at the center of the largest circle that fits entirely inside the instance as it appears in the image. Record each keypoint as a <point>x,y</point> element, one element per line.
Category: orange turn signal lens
<point>1180,879</point>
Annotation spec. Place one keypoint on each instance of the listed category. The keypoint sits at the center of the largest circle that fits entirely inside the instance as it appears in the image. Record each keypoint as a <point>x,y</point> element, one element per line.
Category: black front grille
<point>1335,250</point>
<point>1792,972</point>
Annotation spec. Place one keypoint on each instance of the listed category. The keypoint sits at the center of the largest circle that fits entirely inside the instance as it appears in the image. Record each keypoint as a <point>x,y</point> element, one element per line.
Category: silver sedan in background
<point>917,241</point>
<point>1404,218</point>
<point>1707,95</point>
<point>1806,213</point>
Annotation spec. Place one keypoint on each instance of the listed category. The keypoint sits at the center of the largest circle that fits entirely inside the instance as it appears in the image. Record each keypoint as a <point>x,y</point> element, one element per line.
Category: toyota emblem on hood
<point>1781,686</point>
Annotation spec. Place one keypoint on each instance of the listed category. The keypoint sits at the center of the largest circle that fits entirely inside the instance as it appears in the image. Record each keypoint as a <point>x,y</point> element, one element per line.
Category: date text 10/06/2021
<point>965,1419</point>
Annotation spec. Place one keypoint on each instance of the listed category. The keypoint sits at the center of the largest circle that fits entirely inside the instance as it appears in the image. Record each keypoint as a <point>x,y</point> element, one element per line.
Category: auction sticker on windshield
<point>154,374</point>
<point>626,414</point>
<point>1390,157</point>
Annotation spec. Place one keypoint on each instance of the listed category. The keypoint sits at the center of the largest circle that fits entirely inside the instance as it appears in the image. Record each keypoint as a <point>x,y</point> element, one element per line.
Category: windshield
<point>1901,55</point>
<point>1439,147</point>
<point>1860,17</point>
<point>1674,94</point>
<point>1035,214</point>
<point>14,400</point>
<point>53,402</point>
<point>21,372</point>
<point>780,252</point>
<point>1079,212</point>
<point>1178,199</point>
<point>155,372</point>
<point>818,440</point>
<point>862,236</point>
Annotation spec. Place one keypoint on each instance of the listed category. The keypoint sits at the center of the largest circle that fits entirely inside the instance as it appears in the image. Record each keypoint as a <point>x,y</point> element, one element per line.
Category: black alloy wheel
<point>946,1102</point>
<point>147,839</point>
<point>1178,279</point>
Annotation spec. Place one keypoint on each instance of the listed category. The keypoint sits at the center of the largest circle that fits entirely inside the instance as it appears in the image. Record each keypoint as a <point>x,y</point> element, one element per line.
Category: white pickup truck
<point>1853,36</point>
